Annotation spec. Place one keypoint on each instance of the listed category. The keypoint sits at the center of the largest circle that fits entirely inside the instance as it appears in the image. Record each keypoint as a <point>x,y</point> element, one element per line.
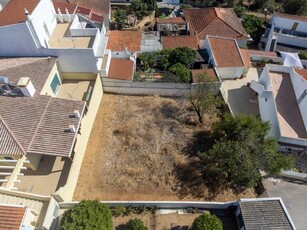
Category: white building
<point>285,33</point>
<point>35,28</point>
<point>226,57</point>
<point>281,97</point>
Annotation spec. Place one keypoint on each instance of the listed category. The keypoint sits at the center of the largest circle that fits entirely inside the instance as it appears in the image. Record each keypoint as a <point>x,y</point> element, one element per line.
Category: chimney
<point>72,129</point>
<point>26,86</point>
<point>77,114</point>
<point>28,15</point>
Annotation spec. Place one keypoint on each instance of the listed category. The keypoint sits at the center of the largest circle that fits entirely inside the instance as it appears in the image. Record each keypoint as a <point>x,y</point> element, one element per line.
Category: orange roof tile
<point>173,20</point>
<point>225,52</point>
<point>11,217</point>
<point>96,18</point>
<point>291,16</point>
<point>83,10</point>
<point>14,11</point>
<point>214,21</point>
<point>97,6</point>
<point>262,53</point>
<point>246,58</point>
<point>196,72</point>
<point>71,7</point>
<point>121,69</point>
<point>120,40</point>
<point>172,42</point>
<point>302,73</point>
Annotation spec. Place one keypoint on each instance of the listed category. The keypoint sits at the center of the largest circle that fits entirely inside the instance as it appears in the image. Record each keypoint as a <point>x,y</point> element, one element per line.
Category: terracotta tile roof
<point>121,69</point>
<point>83,10</point>
<point>302,73</point>
<point>173,20</point>
<point>37,124</point>
<point>96,18</point>
<point>172,42</point>
<point>97,6</point>
<point>120,40</point>
<point>196,72</point>
<point>14,11</point>
<point>214,21</point>
<point>71,7</point>
<point>246,58</point>
<point>225,52</point>
<point>262,53</point>
<point>291,16</point>
<point>11,217</point>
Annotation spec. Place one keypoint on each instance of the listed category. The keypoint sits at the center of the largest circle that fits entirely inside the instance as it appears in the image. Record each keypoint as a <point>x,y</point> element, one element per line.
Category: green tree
<point>181,71</point>
<point>295,7</point>
<point>151,4</point>
<point>139,8</point>
<point>163,58</point>
<point>120,18</point>
<point>242,148</point>
<point>183,55</point>
<point>135,224</point>
<point>148,60</point>
<point>240,11</point>
<point>87,215</point>
<point>207,222</point>
<point>202,97</point>
<point>303,54</point>
<point>253,26</point>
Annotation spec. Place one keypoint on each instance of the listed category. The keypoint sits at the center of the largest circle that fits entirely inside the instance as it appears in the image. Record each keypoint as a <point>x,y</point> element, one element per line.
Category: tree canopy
<point>181,71</point>
<point>183,55</point>
<point>87,215</point>
<point>135,224</point>
<point>202,97</point>
<point>120,18</point>
<point>242,148</point>
<point>139,8</point>
<point>253,26</point>
<point>295,7</point>
<point>207,221</point>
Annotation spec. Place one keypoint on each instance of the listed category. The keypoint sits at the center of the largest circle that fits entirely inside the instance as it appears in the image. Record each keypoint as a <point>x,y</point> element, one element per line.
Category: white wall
<point>16,40</point>
<point>292,40</point>
<point>288,23</point>
<point>230,73</point>
<point>43,13</point>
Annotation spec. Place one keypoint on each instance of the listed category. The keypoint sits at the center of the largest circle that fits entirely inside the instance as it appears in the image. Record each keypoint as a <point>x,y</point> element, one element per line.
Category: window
<point>8,158</point>
<point>55,84</point>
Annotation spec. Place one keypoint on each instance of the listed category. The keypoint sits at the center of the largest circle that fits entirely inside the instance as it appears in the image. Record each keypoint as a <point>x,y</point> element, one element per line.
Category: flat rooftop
<point>288,113</point>
<point>75,90</point>
<point>61,38</point>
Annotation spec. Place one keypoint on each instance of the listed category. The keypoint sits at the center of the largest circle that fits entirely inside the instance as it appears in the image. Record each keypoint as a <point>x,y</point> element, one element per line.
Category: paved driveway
<point>294,195</point>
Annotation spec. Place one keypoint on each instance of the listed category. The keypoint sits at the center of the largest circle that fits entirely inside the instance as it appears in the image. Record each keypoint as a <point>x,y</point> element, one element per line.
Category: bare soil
<point>144,148</point>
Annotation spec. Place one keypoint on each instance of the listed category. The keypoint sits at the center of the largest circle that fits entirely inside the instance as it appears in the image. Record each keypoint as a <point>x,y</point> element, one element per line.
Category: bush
<point>207,222</point>
<point>303,54</point>
<point>240,11</point>
<point>182,72</point>
<point>135,224</point>
<point>87,215</point>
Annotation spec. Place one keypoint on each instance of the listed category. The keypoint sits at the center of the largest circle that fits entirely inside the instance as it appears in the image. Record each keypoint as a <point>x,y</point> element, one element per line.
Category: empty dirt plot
<point>143,148</point>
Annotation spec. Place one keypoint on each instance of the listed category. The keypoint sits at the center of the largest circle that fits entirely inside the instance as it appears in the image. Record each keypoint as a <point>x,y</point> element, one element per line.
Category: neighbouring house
<point>171,25</point>
<point>34,28</point>
<point>46,116</point>
<point>285,32</point>
<point>121,69</point>
<point>221,22</point>
<point>282,102</point>
<point>172,42</point>
<point>16,217</point>
<point>210,72</point>
<point>263,213</point>
<point>226,57</point>
<point>151,41</point>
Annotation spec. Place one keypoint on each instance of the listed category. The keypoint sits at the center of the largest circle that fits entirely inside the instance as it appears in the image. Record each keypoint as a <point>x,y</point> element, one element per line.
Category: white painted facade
<point>267,104</point>
<point>223,72</point>
<point>31,38</point>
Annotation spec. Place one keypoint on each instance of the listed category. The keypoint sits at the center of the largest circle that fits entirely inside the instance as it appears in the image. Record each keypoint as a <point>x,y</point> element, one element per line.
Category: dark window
<point>55,83</point>
<point>8,158</point>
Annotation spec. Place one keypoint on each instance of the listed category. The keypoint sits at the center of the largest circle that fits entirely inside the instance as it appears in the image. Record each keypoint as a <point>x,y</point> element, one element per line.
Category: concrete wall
<point>292,40</point>
<point>43,18</point>
<point>145,88</point>
<point>66,193</point>
<point>230,73</point>
<point>16,40</point>
<point>34,161</point>
<point>79,76</point>
<point>288,23</point>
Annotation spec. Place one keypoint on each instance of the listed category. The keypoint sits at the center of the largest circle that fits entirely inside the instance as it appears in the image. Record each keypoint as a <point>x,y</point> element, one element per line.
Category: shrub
<point>181,71</point>
<point>118,211</point>
<point>87,215</point>
<point>303,54</point>
<point>135,224</point>
<point>207,222</point>
<point>240,11</point>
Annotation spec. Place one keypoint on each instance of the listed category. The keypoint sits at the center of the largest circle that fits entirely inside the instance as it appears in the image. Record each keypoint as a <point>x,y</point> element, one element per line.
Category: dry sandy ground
<point>141,148</point>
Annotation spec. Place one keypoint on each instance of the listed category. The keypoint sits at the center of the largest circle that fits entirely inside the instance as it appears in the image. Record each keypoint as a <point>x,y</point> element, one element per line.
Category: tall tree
<point>202,97</point>
<point>151,4</point>
<point>120,18</point>
<point>139,8</point>
<point>296,7</point>
<point>181,71</point>
<point>183,55</point>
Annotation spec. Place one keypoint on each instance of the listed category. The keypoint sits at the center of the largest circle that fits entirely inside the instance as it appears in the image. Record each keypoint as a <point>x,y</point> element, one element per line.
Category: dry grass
<point>142,148</point>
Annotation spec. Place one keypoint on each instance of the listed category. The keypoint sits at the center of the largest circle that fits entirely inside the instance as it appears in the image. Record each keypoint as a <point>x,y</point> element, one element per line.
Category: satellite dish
<point>4,80</point>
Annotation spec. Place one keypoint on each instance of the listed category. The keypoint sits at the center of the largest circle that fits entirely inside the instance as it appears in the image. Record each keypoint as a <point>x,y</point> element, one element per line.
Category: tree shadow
<point>121,227</point>
<point>180,227</point>
<point>200,142</point>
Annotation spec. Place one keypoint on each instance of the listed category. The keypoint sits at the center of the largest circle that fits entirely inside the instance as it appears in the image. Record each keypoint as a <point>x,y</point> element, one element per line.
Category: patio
<point>61,38</point>
<point>50,176</point>
<point>75,90</point>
